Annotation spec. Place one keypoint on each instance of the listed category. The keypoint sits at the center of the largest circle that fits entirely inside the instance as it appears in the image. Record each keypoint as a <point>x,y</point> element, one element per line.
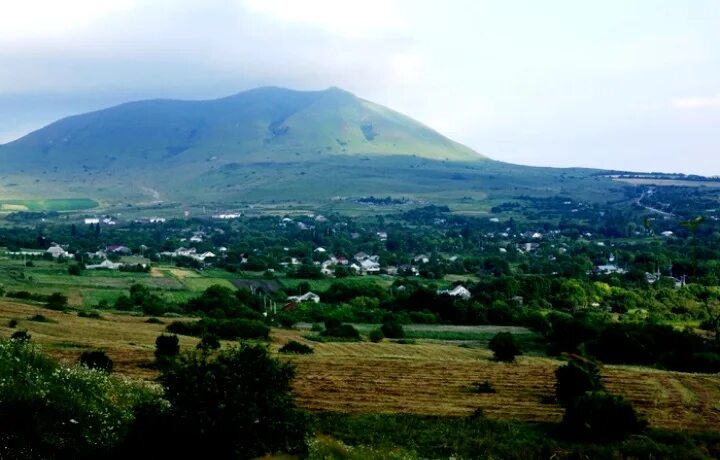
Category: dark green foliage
<point>74,270</point>
<point>245,411</point>
<point>221,302</point>
<point>12,324</point>
<point>96,359</point>
<point>376,335</point>
<point>89,314</point>
<point>334,329</point>
<point>392,330</point>
<point>167,347</point>
<point>504,347</point>
<point>20,336</point>
<point>293,346</point>
<point>226,329</point>
<point>209,342</point>
<point>154,320</point>
<point>57,301</point>
<point>38,318</point>
<point>600,417</point>
<point>576,378</point>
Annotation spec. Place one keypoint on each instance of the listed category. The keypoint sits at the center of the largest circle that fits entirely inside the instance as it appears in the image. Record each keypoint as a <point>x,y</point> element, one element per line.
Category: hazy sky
<point>625,84</point>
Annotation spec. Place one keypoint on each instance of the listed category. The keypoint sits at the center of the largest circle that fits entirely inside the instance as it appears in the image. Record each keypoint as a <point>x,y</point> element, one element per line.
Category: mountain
<point>265,124</point>
<point>263,144</point>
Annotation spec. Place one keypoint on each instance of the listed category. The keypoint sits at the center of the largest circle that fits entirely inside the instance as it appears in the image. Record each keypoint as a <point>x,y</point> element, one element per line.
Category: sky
<point>631,84</point>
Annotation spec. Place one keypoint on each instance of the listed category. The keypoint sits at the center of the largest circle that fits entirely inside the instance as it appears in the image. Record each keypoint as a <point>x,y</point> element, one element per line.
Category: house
<point>92,220</point>
<point>528,247</point>
<point>667,233</point>
<point>457,291</point>
<point>609,269</point>
<point>118,249</point>
<point>227,216</point>
<point>408,270</point>
<point>104,265</point>
<point>422,258</point>
<point>157,220</point>
<point>57,251</point>
<point>382,236</point>
<point>369,266</point>
<point>360,256</point>
<point>108,221</point>
<point>307,297</point>
<point>203,256</point>
<point>320,250</point>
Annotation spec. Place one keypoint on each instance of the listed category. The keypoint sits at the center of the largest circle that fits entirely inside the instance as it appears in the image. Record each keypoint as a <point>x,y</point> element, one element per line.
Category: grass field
<point>51,204</point>
<point>428,377</point>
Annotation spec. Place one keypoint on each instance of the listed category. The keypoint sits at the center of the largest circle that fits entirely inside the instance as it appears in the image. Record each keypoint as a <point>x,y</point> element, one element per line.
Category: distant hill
<point>263,144</point>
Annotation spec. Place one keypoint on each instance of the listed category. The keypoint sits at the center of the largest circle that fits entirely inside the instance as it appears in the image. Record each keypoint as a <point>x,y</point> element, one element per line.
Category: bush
<point>89,314</point>
<point>154,320</point>
<point>96,360</point>
<point>57,301</point>
<point>574,379</point>
<point>376,335</point>
<point>226,329</point>
<point>54,412</point>
<point>296,347</point>
<point>392,330</point>
<point>246,410</point>
<point>75,270</point>
<point>41,319</point>
<point>209,342</point>
<point>340,331</point>
<point>20,336</point>
<point>601,417</point>
<point>166,348</point>
<point>12,324</point>
<point>504,347</point>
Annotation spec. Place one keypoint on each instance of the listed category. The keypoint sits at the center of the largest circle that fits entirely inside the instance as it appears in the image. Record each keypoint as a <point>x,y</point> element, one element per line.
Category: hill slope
<point>265,124</point>
<point>260,145</point>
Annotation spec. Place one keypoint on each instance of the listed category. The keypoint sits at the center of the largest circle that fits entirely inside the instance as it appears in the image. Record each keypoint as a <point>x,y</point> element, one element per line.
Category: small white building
<point>92,220</point>
<point>307,297</point>
<point>105,264</point>
<point>457,291</point>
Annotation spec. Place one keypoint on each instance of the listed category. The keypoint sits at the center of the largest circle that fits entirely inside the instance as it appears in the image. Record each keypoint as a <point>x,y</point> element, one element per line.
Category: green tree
<point>504,347</point>
<point>576,378</point>
<point>237,404</point>
<point>167,347</point>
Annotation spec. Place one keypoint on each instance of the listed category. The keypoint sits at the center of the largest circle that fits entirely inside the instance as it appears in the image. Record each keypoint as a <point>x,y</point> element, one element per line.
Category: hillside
<point>259,145</point>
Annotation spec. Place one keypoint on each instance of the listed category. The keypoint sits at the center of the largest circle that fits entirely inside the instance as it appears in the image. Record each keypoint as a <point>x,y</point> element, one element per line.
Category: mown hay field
<point>428,377</point>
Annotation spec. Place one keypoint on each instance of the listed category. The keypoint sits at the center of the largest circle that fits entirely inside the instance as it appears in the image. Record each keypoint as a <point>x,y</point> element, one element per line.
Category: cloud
<point>344,19</point>
<point>691,103</point>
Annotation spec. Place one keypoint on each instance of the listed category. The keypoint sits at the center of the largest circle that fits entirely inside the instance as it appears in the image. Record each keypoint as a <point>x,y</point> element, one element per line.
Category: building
<point>307,297</point>
<point>457,291</point>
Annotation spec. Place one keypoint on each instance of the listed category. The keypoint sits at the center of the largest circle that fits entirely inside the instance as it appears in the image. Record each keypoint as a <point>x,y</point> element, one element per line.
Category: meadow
<point>50,204</point>
<point>429,377</point>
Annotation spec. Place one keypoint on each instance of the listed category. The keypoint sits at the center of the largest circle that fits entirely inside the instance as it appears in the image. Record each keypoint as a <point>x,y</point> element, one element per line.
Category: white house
<point>421,258</point>
<point>92,220</point>
<point>57,251</point>
<point>307,297</point>
<point>457,291</point>
<point>369,266</point>
<point>105,264</point>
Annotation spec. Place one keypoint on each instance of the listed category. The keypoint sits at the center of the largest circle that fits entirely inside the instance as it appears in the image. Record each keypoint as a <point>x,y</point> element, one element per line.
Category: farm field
<point>51,204</point>
<point>429,377</point>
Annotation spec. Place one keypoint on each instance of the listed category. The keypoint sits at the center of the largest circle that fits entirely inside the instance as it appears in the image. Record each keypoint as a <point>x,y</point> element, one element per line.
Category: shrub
<point>41,319</point>
<point>89,314</point>
<point>392,330</point>
<point>12,324</point>
<point>246,410</point>
<point>376,335</point>
<point>96,360</point>
<point>75,270</point>
<point>601,417</point>
<point>56,412</point>
<point>20,336</point>
<point>504,347</point>
<point>316,327</point>
<point>574,379</point>
<point>226,329</point>
<point>296,347</point>
<point>209,342</point>
<point>57,301</point>
<point>166,348</point>
<point>341,331</point>
<point>154,320</point>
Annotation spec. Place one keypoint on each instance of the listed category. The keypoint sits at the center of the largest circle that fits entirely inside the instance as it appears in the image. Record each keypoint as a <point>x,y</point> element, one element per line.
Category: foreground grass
<point>402,436</point>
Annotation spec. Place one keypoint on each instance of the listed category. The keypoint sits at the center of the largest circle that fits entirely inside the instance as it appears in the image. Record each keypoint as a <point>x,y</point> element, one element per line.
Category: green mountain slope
<point>266,124</point>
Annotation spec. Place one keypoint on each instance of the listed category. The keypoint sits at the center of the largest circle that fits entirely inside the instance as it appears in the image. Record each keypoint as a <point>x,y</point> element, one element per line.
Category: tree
<point>575,379</point>
<point>166,348</point>
<point>504,347</point>
<point>392,330</point>
<point>209,342</point>
<point>74,269</point>
<point>57,301</point>
<point>237,404</point>
<point>601,417</point>
<point>96,360</point>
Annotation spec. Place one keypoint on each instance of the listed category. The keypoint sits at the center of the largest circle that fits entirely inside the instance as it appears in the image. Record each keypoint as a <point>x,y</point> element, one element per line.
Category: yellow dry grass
<point>362,377</point>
